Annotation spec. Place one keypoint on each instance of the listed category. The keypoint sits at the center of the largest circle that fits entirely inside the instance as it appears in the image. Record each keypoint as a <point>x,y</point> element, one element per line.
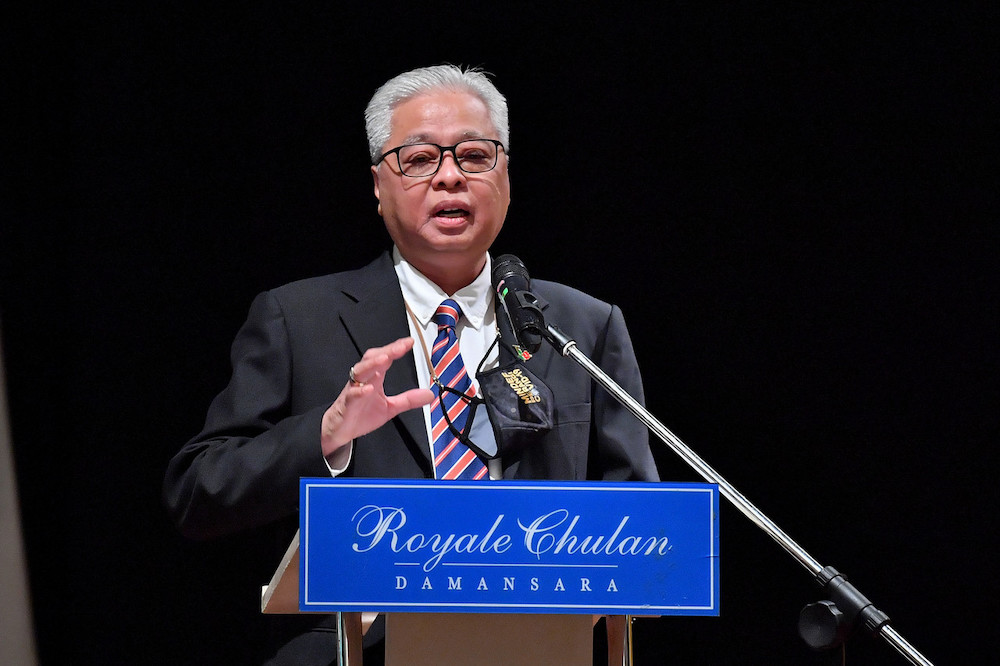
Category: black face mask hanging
<point>519,404</point>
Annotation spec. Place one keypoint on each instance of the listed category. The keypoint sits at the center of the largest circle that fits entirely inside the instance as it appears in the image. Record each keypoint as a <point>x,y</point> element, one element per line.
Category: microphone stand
<point>823,625</point>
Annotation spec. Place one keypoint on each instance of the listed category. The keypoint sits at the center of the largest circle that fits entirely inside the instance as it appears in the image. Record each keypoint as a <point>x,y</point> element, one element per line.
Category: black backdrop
<point>794,208</point>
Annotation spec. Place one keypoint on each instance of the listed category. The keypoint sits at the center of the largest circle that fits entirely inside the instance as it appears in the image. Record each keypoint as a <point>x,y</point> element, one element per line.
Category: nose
<point>449,174</point>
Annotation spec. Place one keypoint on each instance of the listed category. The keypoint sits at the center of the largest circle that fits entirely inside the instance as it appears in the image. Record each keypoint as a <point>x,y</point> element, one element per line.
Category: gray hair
<point>378,114</point>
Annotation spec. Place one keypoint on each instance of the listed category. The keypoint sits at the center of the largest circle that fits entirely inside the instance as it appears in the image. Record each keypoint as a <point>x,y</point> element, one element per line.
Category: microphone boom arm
<point>849,600</point>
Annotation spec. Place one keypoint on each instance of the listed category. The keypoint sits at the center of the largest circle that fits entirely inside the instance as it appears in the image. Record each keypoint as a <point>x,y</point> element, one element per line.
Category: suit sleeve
<point>243,469</point>
<point>619,441</point>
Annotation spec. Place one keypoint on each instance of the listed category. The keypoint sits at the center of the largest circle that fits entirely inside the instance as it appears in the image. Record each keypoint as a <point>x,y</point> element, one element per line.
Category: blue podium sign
<point>509,546</point>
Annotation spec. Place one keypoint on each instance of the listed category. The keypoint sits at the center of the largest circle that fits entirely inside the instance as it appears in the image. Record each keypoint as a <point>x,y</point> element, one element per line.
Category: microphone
<point>513,289</point>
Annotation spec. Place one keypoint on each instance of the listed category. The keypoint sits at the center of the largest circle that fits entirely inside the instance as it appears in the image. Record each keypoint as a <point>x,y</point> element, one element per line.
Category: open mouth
<point>452,212</point>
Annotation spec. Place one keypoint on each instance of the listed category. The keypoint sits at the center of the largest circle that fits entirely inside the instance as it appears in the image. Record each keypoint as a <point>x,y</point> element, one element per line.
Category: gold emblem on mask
<point>521,385</point>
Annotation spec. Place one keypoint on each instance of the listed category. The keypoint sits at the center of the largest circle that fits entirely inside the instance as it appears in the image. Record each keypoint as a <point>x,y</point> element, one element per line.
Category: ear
<point>375,180</point>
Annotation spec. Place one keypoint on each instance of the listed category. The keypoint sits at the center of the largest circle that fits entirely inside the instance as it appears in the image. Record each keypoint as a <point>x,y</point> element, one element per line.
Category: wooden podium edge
<point>281,595</point>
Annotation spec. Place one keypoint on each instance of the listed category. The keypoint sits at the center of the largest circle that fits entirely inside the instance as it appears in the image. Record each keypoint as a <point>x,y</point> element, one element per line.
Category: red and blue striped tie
<point>452,459</point>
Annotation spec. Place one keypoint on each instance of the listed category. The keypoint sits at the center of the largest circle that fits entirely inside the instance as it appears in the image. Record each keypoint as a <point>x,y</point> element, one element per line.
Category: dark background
<point>795,208</point>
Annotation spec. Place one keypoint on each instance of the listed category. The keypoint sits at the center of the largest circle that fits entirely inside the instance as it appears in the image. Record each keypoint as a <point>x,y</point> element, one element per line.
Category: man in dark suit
<point>330,374</point>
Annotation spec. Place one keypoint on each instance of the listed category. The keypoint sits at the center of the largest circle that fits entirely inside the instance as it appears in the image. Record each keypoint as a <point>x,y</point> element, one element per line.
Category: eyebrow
<point>424,138</point>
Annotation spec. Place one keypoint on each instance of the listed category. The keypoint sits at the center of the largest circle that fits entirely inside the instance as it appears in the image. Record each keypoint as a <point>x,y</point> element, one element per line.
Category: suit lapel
<point>377,318</point>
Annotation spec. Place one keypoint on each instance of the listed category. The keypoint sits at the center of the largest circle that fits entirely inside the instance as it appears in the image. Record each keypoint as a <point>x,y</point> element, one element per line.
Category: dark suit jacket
<point>291,359</point>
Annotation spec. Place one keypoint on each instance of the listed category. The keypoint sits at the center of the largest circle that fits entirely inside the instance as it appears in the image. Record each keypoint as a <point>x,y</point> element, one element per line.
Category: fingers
<point>398,348</point>
<point>376,361</point>
<point>411,399</point>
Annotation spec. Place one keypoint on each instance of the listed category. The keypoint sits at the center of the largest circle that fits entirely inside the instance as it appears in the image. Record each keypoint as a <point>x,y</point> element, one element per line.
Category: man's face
<point>445,222</point>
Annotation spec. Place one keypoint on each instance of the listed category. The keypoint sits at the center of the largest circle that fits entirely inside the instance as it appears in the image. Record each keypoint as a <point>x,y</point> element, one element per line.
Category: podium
<point>540,639</point>
<point>461,581</point>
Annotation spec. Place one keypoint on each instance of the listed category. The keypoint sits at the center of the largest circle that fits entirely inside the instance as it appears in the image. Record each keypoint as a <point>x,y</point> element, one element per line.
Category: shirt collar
<point>424,296</point>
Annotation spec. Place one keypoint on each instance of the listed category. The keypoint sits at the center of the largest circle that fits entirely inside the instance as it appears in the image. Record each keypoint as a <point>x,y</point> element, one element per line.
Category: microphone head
<point>507,267</point>
<point>513,289</point>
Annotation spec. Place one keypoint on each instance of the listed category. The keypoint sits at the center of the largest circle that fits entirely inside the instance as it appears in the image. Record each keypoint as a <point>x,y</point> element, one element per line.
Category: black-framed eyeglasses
<point>419,160</point>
